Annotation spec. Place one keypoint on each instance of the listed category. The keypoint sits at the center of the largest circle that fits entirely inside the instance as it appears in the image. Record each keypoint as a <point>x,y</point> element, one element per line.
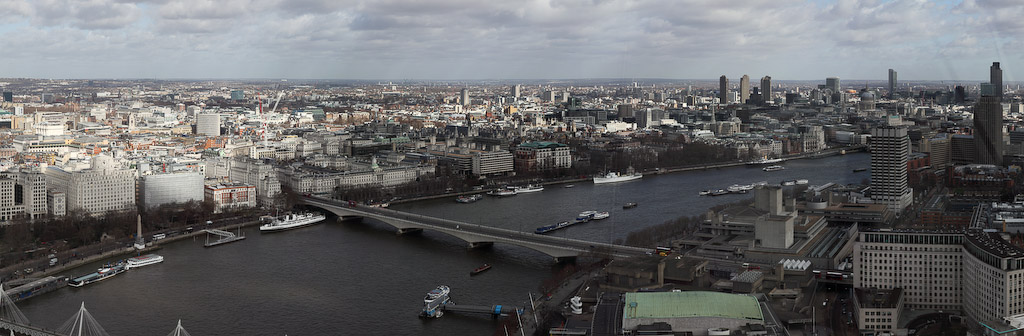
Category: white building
<point>491,163</point>
<point>179,187</point>
<point>890,149</point>
<point>208,124</point>
<point>105,186</point>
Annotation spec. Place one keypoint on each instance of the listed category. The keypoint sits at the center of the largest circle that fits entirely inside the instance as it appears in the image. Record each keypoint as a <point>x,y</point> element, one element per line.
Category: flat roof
<point>691,304</point>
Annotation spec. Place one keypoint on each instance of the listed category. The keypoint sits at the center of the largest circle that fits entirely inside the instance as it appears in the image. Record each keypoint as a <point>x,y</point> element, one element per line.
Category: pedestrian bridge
<point>475,234</point>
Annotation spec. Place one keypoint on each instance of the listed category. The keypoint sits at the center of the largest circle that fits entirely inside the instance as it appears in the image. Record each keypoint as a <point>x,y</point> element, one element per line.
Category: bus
<point>663,251</point>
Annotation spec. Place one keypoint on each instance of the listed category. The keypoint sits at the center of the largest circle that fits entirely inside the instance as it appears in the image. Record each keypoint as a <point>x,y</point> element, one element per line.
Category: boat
<point>857,170</point>
<point>529,188</point>
<point>613,177</point>
<point>719,192</point>
<point>480,269</point>
<point>629,205</point>
<point>586,215</point>
<point>549,228</point>
<point>468,199</point>
<point>292,221</point>
<point>144,260</point>
<point>706,192</point>
<point>434,300</point>
<point>570,185</point>
<point>801,182</point>
<point>789,183</point>
<point>737,188</point>
<point>502,192</point>
<point>763,161</point>
<point>104,273</point>
<point>773,168</point>
<point>600,215</point>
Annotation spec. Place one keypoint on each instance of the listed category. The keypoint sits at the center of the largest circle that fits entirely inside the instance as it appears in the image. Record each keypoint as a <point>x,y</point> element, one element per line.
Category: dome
<point>867,95</point>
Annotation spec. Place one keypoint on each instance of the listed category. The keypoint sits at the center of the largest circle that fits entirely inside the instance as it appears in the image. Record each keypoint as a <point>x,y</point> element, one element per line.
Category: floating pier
<point>495,310</point>
<point>224,237</point>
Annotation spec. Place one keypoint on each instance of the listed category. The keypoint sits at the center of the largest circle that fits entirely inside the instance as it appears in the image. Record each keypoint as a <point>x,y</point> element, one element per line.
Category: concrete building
<point>259,173</point>
<point>832,83</point>
<point>159,189</point>
<point>938,152</point>
<point>316,180</point>
<point>230,195</point>
<point>878,310</point>
<point>890,149</point>
<point>766,89</point>
<point>744,89</point>
<point>492,163</point>
<point>464,97</point>
<point>892,83</point>
<point>988,127</point>
<point>996,78</point>
<point>105,186</point>
<point>538,156</point>
<point>22,192</point>
<point>208,124</point>
<point>723,90</point>
<point>56,203</point>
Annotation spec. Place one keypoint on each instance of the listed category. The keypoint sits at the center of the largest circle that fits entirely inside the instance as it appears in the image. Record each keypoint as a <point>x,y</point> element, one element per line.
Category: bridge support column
<point>480,245</point>
<point>352,219</point>
<point>405,231</point>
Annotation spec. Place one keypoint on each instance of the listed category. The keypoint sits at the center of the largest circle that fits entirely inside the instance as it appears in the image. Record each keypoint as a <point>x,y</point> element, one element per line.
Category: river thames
<point>357,278</point>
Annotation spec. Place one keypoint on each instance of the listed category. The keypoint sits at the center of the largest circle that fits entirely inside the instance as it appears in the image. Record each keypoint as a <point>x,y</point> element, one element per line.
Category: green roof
<point>541,144</point>
<point>692,304</point>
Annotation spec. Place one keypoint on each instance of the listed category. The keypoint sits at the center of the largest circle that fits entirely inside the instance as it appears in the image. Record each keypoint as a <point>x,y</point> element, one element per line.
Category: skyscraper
<point>766,89</point>
<point>959,94</point>
<point>744,89</point>
<point>996,78</point>
<point>723,88</point>
<point>465,97</point>
<point>9,96</point>
<point>988,125</point>
<point>832,83</point>
<point>892,83</point>
<point>890,148</point>
<point>517,91</point>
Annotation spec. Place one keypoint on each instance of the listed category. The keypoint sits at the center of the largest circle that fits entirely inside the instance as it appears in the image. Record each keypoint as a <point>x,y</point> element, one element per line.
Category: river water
<point>357,278</point>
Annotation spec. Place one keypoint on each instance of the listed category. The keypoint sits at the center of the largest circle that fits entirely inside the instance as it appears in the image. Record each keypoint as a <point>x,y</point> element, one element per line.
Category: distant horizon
<point>754,81</point>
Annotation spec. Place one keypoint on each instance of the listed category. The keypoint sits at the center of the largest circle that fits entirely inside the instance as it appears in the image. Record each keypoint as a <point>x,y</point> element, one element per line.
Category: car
<point>823,303</point>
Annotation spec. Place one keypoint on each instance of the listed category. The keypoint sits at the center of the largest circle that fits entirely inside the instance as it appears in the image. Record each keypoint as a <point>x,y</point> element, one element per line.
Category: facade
<point>832,83</point>
<point>464,97</point>
<point>539,156</point>
<point>993,274</point>
<point>162,189</point>
<point>258,173</point>
<point>744,89</point>
<point>315,180</point>
<point>890,149</point>
<point>56,203</point>
<point>988,129</point>
<point>105,186</point>
<point>878,310</point>
<point>208,124</point>
<point>22,193</point>
<point>996,78</point>
<point>723,90</point>
<point>230,195</point>
<point>766,89</point>
<point>492,163</point>
<point>938,152</point>
<point>892,83</point>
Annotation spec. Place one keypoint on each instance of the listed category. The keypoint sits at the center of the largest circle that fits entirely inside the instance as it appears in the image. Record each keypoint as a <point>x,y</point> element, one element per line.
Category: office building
<point>230,196</point>
<point>988,127</point>
<point>723,90</point>
<point>832,83</point>
<point>208,124</point>
<point>258,173</point>
<point>237,95</point>
<point>890,149</point>
<point>464,97</point>
<point>104,186</point>
<point>996,78</point>
<point>22,192</point>
<point>549,96</point>
<point>959,94</point>
<point>892,83</point>
<point>9,96</point>
<point>539,156</point>
<point>939,152</point>
<point>517,91</point>
<point>160,189</point>
<point>492,163</point>
<point>766,89</point>
<point>744,89</point>
<point>878,310</point>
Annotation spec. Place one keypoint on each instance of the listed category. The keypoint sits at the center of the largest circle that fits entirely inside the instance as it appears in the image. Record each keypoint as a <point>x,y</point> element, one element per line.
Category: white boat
<point>764,161</point>
<point>773,168</point>
<point>434,300</point>
<point>601,215</point>
<point>613,177</point>
<point>529,188</point>
<point>801,182</point>
<point>144,260</point>
<point>292,221</point>
<point>502,192</point>
<point>469,199</point>
<point>104,273</point>
<point>705,192</point>
<point>789,183</point>
<point>586,215</point>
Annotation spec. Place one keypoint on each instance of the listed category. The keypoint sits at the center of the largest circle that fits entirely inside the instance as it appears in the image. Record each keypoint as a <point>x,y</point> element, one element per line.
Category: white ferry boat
<point>434,300</point>
<point>613,177</point>
<point>292,221</point>
<point>773,168</point>
<point>144,260</point>
<point>529,188</point>
<point>503,192</point>
<point>764,161</point>
<point>601,215</point>
<point>586,215</point>
<point>801,182</point>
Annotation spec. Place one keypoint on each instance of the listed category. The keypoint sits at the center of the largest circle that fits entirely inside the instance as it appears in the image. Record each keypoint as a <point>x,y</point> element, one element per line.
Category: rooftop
<point>692,304</point>
<point>542,144</point>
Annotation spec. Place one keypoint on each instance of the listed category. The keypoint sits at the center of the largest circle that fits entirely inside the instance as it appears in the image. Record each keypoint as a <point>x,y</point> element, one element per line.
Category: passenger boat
<point>613,177</point>
<point>773,168</point>
<point>480,269</point>
<point>101,274</point>
<point>789,183</point>
<point>144,260</point>
<point>586,215</point>
<point>801,182</point>
<point>549,228</point>
<point>292,221</point>
<point>600,215</point>
<point>503,193</point>
<point>764,161</point>
<point>629,205</point>
<point>719,192</point>
<point>434,300</point>
<point>468,199</point>
<point>529,188</point>
<point>706,192</point>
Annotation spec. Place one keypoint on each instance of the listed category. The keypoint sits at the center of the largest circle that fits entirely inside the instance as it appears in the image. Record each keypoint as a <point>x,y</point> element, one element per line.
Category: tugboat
<point>480,269</point>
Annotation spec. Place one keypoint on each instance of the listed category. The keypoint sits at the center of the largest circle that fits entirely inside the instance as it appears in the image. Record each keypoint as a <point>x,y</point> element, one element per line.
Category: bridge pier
<point>355,219</point>
<point>404,231</point>
<point>476,245</point>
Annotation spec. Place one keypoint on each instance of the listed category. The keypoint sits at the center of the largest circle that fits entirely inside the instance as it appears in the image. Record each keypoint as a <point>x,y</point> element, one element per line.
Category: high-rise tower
<point>892,83</point>
<point>996,78</point>
<point>890,148</point>
<point>744,89</point>
<point>832,83</point>
<point>723,90</point>
<point>988,125</point>
<point>465,97</point>
<point>766,89</point>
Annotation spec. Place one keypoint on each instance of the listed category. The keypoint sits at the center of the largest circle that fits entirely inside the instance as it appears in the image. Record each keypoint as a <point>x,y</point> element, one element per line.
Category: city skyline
<point>800,40</point>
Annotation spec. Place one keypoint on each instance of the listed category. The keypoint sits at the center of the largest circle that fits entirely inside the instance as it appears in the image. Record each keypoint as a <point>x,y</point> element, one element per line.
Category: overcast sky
<point>510,39</point>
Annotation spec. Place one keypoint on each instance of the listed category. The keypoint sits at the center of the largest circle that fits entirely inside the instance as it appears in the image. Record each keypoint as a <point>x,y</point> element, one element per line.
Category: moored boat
<point>143,260</point>
<point>586,215</point>
<point>106,272</point>
<point>773,168</point>
<point>789,183</point>
<point>469,198</point>
<point>292,221</point>
<point>613,177</point>
<point>502,192</point>
<point>434,300</point>
<point>600,215</point>
<point>719,192</point>
<point>549,228</point>
<point>801,182</point>
<point>529,188</point>
<point>857,170</point>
